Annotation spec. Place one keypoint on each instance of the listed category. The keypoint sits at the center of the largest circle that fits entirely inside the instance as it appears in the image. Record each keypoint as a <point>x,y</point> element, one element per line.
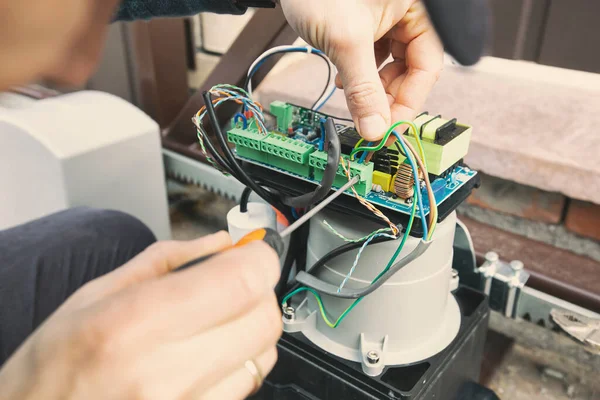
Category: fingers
<point>180,305</point>
<point>206,359</point>
<point>365,95</point>
<point>417,46</point>
<point>163,257</point>
<point>239,384</point>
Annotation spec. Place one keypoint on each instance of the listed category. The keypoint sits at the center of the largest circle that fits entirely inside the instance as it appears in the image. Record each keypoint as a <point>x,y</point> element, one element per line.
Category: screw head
<point>454,273</point>
<point>516,265</point>
<point>373,357</point>
<point>289,313</point>
<point>491,257</point>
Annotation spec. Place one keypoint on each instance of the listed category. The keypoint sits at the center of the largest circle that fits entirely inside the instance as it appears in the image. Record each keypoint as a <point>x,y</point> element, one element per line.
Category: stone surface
<point>518,200</point>
<point>535,125</point>
<point>584,219</point>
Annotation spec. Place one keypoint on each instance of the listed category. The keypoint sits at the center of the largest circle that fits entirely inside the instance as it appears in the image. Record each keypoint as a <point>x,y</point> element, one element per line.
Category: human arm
<point>145,9</point>
<point>142,332</point>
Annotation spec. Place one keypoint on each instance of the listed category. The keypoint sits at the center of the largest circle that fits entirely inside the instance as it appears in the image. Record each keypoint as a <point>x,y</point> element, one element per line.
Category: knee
<point>111,225</point>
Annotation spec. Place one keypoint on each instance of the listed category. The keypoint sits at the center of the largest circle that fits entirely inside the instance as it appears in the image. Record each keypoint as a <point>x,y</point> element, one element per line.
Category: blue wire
<point>322,139</point>
<point>418,188</point>
<point>295,213</point>
<point>364,155</point>
<point>244,119</point>
<point>326,99</point>
<point>357,258</point>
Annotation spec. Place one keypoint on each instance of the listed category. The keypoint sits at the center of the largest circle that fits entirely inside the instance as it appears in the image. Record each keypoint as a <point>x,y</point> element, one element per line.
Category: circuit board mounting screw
<point>373,357</point>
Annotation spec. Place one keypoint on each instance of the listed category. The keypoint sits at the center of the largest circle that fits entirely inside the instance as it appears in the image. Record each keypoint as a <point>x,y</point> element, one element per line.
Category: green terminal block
<point>284,113</point>
<point>318,160</point>
<point>288,154</point>
<point>248,143</point>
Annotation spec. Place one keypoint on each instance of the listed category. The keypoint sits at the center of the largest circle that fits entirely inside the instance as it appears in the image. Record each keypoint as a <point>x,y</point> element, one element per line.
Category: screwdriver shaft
<point>287,231</point>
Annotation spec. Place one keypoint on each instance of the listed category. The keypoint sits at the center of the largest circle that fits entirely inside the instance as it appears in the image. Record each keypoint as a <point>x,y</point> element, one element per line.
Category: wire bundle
<point>226,93</point>
<point>252,117</point>
<point>415,159</point>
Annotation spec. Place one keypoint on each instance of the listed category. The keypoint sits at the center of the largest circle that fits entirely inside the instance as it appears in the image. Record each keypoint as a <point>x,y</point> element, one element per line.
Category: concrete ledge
<point>535,125</point>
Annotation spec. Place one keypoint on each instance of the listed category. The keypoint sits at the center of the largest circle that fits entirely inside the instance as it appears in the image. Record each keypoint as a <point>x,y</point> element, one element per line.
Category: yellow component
<point>441,155</point>
<point>382,179</point>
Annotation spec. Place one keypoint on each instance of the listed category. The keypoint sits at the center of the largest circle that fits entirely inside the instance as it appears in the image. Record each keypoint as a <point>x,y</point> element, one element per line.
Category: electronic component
<point>404,182</point>
<point>318,160</point>
<point>445,142</point>
<point>299,151</point>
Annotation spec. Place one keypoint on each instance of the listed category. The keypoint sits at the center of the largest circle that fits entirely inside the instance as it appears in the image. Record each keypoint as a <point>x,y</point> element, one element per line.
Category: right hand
<point>359,36</point>
<point>143,333</point>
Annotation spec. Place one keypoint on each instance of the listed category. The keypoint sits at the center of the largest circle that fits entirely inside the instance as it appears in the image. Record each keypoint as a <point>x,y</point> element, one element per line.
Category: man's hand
<point>143,333</point>
<point>359,36</point>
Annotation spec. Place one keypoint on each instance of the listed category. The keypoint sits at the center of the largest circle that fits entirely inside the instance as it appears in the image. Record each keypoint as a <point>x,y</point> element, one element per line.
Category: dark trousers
<point>43,262</point>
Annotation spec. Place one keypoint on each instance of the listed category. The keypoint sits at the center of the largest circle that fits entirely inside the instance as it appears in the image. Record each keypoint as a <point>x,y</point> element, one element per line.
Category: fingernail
<point>372,127</point>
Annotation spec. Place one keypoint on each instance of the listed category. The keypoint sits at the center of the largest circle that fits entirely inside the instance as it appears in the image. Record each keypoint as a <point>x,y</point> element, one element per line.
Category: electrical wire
<point>289,49</point>
<point>322,103</point>
<point>357,258</point>
<point>365,203</point>
<point>337,252</point>
<point>359,240</point>
<point>239,172</point>
<point>417,196</point>
<point>244,198</point>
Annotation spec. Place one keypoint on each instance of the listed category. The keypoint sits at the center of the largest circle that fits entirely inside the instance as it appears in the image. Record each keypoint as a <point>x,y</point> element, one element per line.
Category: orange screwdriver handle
<point>267,235</point>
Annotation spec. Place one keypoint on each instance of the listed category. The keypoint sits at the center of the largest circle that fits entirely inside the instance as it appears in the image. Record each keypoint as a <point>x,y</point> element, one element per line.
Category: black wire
<point>241,175</point>
<point>290,257</point>
<point>217,157</point>
<point>338,251</point>
<point>244,199</point>
<point>400,149</point>
<point>249,77</point>
<point>301,256</point>
<point>338,118</point>
<point>326,115</point>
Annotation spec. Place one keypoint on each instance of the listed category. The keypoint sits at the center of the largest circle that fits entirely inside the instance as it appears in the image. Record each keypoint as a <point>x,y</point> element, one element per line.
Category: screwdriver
<point>271,237</point>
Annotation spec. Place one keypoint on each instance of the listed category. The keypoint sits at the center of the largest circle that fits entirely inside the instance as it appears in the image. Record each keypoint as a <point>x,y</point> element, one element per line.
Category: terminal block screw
<point>289,313</point>
<point>373,357</point>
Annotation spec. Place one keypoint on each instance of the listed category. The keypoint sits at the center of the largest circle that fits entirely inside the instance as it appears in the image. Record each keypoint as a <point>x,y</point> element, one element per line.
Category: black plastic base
<point>348,205</point>
<point>305,371</point>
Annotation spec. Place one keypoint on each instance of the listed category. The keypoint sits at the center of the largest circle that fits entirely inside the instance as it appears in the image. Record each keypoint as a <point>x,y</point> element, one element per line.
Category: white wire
<point>301,49</point>
<point>363,247</point>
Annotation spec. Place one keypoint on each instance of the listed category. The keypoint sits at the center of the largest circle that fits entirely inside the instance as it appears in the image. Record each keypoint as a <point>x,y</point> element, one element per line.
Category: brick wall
<point>544,216</point>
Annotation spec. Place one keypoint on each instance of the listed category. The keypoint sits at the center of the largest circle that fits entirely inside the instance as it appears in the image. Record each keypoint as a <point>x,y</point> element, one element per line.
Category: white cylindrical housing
<point>258,215</point>
<point>411,317</point>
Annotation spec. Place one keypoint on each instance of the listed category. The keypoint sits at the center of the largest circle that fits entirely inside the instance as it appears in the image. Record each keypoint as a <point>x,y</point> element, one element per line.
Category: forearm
<point>146,9</point>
